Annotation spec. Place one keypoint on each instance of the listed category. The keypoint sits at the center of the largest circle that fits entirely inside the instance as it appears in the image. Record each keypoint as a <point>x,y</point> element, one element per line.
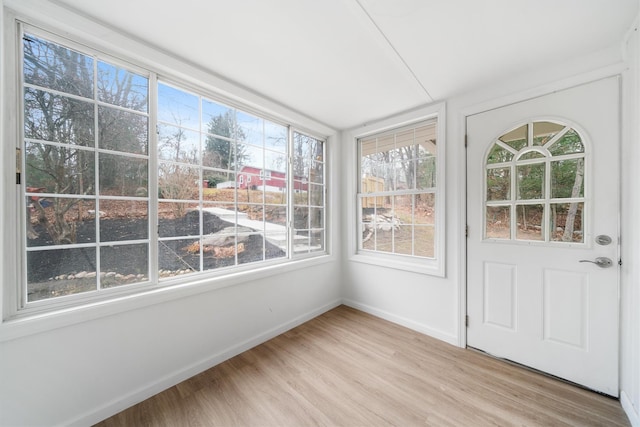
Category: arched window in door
<point>535,184</point>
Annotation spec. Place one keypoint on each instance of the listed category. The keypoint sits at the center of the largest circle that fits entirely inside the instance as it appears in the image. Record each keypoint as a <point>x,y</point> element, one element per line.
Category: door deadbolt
<point>603,240</point>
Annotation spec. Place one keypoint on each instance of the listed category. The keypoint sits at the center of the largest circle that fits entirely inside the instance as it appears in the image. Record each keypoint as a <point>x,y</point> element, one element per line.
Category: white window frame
<point>431,266</point>
<point>14,313</point>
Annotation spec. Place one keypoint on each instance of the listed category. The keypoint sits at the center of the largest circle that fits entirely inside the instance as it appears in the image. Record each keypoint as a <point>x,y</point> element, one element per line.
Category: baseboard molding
<point>403,321</point>
<point>111,408</point>
<point>632,414</point>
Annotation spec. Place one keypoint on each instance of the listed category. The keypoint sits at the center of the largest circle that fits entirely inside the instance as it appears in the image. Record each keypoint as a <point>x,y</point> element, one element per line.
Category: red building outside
<point>257,179</point>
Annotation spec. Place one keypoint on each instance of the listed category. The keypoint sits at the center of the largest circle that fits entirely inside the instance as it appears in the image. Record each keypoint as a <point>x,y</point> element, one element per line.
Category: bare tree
<point>60,128</point>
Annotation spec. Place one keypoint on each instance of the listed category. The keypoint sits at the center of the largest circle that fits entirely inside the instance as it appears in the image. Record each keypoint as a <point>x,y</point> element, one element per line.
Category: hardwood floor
<point>347,368</point>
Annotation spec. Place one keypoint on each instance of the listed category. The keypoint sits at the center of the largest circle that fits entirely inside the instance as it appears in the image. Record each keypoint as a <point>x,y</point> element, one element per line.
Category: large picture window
<point>397,194</point>
<point>123,194</point>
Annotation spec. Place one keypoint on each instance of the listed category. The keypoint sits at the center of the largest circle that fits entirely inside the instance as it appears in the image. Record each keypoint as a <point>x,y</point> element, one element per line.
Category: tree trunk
<point>573,207</point>
<point>61,232</point>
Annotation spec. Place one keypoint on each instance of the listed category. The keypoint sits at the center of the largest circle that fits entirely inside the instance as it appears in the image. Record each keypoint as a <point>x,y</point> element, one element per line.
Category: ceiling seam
<point>413,74</point>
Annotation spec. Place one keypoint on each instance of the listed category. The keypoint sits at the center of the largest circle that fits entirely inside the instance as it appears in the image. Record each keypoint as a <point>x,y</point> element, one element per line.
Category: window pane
<point>178,257</point>
<point>219,153</point>
<point>251,247</point>
<point>253,157</point>
<point>178,107</point>
<point>498,224</point>
<point>499,184</point>
<point>275,190</point>
<point>566,222</point>
<point>567,178</point>
<point>569,143</point>
<point>316,195</point>
<point>275,137</point>
<point>55,67</point>
<point>382,172</point>
<point>403,240</point>
<point>276,217</point>
<point>425,209</point>
<point>130,263</point>
<point>403,217</point>
<point>221,186</point>
<point>424,241</point>
<point>384,223</point>
<point>316,172</point>
<point>276,245</point>
<point>248,189</point>
<point>60,272</point>
<point>530,221</point>
<point>403,208</point>
<point>316,240</point>
<point>218,119</point>
<point>316,218</point>
<point>543,132</point>
<point>372,184</point>
<point>404,176</point>
<point>426,173</point>
<point>77,225</point>
<point>255,215</point>
<point>517,138</point>
<point>178,182</point>
<point>530,184</point>
<point>122,131</point>
<point>178,219</point>
<point>178,144</point>
<point>275,161</point>
<point>368,235</point>
<point>123,88</point>
<point>61,170</point>
<point>123,220</point>
<point>250,129</point>
<point>123,176</point>
<point>530,155</point>
<point>218,215</point>
<point>58,118</point>
<point>499,155</point>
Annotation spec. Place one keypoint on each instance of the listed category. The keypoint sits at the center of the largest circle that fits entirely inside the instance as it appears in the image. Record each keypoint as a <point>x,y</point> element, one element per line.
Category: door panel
<point>542,184</point>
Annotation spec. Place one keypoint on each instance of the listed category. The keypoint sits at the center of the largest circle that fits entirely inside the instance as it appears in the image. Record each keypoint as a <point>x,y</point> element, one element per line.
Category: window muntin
<point>87,166</point>
<point>535,184</point>
<point>397,191</point>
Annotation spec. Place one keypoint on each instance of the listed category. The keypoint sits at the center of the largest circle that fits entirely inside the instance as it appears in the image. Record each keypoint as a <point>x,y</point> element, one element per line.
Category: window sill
<point>25,324</point>
<point>430,267</point>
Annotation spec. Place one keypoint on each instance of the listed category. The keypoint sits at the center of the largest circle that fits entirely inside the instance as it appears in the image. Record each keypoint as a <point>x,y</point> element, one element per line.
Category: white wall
<point>630,244</point>
<point>80,366</point>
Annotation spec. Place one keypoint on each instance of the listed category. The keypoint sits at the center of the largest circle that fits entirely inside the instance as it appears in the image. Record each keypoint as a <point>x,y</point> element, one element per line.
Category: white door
<point>542,215</point>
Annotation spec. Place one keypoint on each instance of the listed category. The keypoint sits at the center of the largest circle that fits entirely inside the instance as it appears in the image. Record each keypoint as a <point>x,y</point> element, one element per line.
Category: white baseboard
<point>408,323</point>
<point>113,407</point>
<point>632,414</point>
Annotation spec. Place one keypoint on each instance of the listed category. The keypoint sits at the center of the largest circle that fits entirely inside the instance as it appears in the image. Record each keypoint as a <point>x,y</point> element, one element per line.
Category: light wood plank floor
<point>347,368</point>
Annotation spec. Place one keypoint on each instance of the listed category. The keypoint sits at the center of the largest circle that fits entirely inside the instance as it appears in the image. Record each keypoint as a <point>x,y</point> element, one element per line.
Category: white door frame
<point>477,107</point>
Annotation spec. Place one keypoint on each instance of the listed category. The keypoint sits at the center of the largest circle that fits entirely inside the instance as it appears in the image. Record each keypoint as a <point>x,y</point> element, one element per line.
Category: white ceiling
<point>346,62</point>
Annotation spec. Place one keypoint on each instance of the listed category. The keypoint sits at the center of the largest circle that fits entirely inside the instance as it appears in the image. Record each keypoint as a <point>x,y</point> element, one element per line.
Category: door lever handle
<point>601,261</point>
